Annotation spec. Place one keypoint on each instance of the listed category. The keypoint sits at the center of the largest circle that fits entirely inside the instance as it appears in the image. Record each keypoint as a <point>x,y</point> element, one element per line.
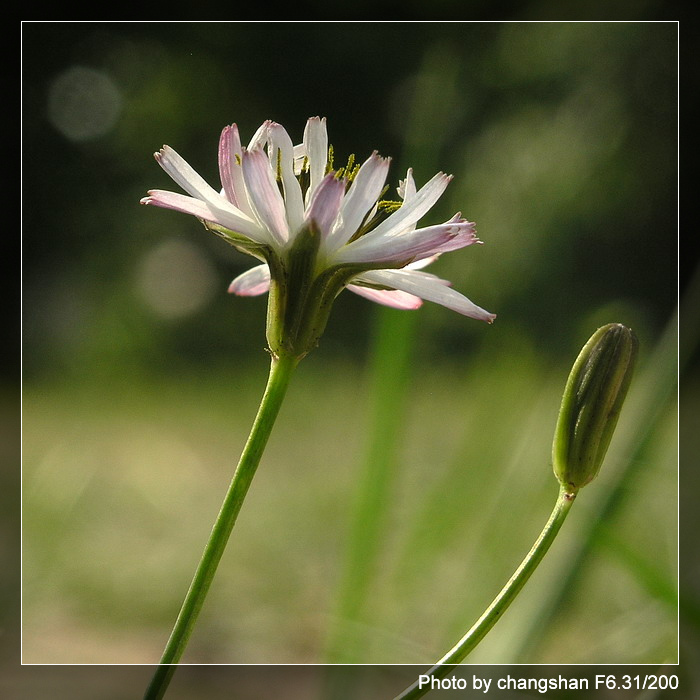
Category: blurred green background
<point>142,376</point>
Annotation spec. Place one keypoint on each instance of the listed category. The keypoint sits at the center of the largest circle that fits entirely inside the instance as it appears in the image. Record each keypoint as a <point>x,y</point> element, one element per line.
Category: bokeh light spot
<point>175,279</point>
<point>84,103</point>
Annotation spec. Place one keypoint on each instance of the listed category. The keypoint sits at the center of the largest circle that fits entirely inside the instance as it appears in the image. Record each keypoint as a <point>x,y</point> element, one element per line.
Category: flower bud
<point>593,398</point>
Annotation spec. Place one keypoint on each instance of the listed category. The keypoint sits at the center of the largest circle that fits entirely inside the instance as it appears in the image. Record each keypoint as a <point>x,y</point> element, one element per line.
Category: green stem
<point>500,603</point>
<point>277,383</point>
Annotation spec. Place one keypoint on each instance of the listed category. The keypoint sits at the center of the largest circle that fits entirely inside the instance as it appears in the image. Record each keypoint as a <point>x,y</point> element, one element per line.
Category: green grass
<point>122,481</point>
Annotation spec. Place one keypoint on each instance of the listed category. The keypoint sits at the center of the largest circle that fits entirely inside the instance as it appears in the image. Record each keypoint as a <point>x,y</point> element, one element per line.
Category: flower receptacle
<point>300,298</point>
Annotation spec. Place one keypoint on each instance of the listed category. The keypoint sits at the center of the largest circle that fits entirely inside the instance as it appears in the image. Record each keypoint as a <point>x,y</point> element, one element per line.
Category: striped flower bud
<point>593,398</point>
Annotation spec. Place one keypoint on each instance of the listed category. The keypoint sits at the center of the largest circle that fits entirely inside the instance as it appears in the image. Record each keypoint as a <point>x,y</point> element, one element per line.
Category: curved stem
<point>500,603</point>
<point>278,380</point>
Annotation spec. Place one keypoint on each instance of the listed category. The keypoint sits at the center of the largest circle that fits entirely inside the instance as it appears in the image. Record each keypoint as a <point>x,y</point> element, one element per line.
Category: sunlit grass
<point>121,486</point>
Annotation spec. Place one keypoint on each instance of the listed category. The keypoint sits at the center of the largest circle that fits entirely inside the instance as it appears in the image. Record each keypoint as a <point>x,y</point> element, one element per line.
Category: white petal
<point>361,197</point>
<point>420,275</point>
<point>411,245</point>
<point>388,297</point>
<point>316,143</point>
<point>404,218</point>
<point>325,203</point>
<point>299,157</point>
<point>265,197</point>
<point>279,140</point>
<point>187,177</point>
<point>260,136</point>
<point>407,187</point>
<point>429,289</point>
<point>423,262</point>
<point>408,191</point>
<point>252,282</point>
<point>230,219</point>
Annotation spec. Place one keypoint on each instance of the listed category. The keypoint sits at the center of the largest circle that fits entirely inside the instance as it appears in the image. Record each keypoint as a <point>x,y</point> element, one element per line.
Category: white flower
<point>317,230</point>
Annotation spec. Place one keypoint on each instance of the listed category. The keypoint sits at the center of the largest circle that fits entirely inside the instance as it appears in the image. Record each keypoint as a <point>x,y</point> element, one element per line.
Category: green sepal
<point>292,294</point>
<point>241,243</point>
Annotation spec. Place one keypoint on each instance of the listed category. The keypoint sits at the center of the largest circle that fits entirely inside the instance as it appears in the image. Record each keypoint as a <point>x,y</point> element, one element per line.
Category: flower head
<point>317,230</point>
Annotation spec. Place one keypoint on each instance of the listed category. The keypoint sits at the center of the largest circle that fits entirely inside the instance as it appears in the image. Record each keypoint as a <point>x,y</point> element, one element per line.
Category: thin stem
<point>277,383</point>
<point>500,603</point>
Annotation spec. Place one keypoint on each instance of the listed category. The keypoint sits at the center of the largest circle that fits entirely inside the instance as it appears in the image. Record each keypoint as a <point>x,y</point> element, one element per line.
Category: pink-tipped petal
<point>361,197</point>
<point>230,169</point>
<point>203,210</point>
<point>227,159</point>
<point>410,245</point>
<point>429,289</point>
<point>252,282</point>
<point>388,297</point>
<point>265,197</point>
<point>190,181</point>
<point>325,203</point>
